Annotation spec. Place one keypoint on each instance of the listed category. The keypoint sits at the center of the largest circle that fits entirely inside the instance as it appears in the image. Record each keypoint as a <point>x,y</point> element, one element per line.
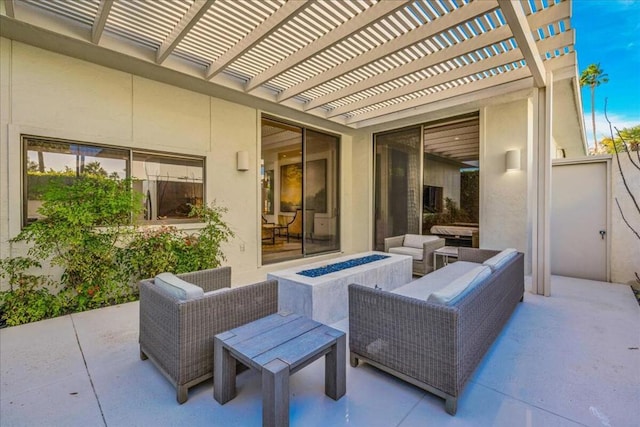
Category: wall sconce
<point>242,158</point>
<point>513,160</point>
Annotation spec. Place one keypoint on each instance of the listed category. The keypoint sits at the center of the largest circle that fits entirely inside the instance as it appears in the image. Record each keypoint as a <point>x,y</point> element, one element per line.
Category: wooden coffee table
<point>278,346</point>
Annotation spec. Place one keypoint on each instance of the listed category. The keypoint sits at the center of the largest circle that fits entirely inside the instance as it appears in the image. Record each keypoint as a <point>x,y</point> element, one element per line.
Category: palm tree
<point>593,76</point>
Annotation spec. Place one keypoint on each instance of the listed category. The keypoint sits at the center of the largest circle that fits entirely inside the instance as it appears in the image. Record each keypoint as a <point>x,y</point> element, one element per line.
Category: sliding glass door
<point>300,187</point>
<point>398,188</point>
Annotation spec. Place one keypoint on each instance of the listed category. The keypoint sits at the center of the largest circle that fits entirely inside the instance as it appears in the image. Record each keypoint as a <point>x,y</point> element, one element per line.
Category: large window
<point>168,183</point>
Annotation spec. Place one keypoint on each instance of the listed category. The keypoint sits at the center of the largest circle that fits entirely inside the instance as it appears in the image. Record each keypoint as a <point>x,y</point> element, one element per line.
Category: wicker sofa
<point>432,345</point>
<point>176,334</point>
<point>419,247</point>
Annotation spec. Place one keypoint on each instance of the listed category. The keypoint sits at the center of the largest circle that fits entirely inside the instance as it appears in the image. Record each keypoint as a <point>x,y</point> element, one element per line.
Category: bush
<point>86,226</point>
<point>28,298</point>
<point>166,249</point>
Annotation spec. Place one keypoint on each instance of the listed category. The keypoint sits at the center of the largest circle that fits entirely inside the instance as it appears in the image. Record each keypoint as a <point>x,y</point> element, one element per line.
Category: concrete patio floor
<point>567,360</point>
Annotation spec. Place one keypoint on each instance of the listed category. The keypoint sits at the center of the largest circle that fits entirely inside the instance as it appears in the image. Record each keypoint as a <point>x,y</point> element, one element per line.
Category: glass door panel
<point>321,193</point>
<point>398,188</point>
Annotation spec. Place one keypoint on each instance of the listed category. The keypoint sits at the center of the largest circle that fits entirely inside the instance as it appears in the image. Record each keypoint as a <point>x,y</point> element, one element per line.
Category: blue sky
<point>608,32</point>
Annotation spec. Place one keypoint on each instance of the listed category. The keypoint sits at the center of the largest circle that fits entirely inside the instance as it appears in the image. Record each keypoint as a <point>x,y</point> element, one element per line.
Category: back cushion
<point>177,287</point>
<point>500,259</point>
<point>417,241</point>
<point>455,290</point>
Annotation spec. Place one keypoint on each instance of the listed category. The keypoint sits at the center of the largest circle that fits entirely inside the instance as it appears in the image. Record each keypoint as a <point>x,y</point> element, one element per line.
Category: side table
<point>278,346</point>
<point>446,253</point>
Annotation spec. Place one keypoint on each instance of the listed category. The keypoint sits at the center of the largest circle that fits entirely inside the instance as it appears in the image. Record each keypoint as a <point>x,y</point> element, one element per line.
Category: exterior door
<point>579,219</point>
<point>398,189</point>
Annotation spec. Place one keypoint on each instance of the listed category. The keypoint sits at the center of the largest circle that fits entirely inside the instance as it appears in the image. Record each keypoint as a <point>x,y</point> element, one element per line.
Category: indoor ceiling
<point>353,62</point>
<point>456,140</point>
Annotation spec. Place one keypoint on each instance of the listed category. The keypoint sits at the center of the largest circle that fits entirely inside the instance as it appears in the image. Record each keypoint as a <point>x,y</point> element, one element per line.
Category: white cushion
<point>436,280</point>
<point>177,287</point>
<point>498,260</point>
<point>460,286</point>
<point>217,291</point>
<point>403,250</point>
<point>417,240</point>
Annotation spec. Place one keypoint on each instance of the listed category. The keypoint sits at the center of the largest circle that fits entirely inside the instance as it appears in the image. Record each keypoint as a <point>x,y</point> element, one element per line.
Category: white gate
<point>580,218</point>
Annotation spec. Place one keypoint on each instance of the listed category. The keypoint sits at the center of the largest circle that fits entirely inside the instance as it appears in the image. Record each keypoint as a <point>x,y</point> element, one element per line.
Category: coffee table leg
<point>224,373</point>
<point>275,394</point>
<point>335,383</point>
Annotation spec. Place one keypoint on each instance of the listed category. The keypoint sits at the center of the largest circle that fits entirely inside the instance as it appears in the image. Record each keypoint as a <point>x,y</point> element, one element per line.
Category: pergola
<point>355,63</point>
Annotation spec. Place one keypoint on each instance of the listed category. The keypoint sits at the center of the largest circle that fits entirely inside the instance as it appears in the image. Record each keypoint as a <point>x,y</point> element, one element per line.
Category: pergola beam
<point>101,20</point>
<point>261,32</point>
<point>332,38</point>
<point>444,77</point>
<point>399,43</point>
<point>435,58</point>
<point>182,28</point>
<point>10,8</point>
<point>551,14</point>
<point>486,83</point>
<point>559,41</point>
<point>517,21</point>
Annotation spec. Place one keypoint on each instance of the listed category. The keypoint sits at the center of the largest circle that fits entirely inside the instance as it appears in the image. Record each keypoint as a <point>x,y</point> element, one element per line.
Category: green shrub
<point>166,248</point>
<point>28,298</point>
<point>85,221</point>
<point>87,230</point>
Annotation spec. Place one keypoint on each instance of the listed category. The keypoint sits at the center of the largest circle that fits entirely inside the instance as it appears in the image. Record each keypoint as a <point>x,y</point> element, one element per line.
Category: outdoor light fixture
<point>242,160</point>
<point>513,160</point>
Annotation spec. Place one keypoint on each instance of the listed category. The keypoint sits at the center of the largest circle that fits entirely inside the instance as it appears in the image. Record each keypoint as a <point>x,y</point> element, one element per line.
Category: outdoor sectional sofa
<point>426,335</point>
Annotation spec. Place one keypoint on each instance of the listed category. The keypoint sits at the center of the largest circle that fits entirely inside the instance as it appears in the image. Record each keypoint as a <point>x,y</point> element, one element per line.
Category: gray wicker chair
<point>177,336</point>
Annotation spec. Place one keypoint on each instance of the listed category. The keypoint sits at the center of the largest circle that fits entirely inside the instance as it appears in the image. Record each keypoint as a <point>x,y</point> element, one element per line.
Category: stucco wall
<point>503,195</point>
<point>47,94</point>
<point>625,246</point>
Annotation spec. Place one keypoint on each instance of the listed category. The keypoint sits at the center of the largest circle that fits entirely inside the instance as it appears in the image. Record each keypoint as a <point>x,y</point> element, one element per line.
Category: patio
<point>570,359</point>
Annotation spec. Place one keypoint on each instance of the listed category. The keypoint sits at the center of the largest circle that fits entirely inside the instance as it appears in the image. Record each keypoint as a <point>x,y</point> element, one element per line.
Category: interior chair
<point>419,247</point>
<point>295,226</point>
<point>180,315</point>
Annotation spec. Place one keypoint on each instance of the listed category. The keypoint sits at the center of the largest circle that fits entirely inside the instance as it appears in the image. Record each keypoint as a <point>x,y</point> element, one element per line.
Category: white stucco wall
<point>52,95</point>
<point>503,195</point>
<point>625,246</point>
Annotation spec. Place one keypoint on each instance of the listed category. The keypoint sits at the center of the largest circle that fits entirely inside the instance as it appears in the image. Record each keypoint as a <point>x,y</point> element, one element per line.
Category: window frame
<point>24,138</point>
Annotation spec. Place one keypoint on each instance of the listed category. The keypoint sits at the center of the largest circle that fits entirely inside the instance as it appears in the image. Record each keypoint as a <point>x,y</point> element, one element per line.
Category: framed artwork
<point>291,187</point>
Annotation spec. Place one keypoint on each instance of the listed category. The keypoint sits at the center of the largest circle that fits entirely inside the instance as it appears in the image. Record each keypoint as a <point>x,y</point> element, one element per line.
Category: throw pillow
<point>177,287</point>
<point>500,259</point>
<point>460,286</point>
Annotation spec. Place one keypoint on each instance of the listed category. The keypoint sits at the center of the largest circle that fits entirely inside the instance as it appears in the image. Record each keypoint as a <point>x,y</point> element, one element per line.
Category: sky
<point>608,33</point>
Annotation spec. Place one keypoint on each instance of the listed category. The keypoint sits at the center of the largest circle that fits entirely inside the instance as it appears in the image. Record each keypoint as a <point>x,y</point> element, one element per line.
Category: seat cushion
<point>403,250</point>
<point>417,240</point>
<point>461,286</point>
<point>500,259</point>
<point>177,287</point>
<point>423,287</point>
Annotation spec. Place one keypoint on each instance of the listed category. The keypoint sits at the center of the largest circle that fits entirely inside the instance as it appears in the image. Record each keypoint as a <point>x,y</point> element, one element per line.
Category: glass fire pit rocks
<point>331,268</point>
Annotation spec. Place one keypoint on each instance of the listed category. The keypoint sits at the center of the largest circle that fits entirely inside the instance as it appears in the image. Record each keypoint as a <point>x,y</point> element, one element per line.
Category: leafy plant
<point>28,298</point>
<point>167,249</point>
<point>85,222</point>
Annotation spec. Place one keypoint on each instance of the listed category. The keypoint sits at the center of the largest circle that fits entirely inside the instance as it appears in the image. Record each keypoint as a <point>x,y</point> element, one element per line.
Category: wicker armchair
<point>177,335</point>
<point>417,246</point>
